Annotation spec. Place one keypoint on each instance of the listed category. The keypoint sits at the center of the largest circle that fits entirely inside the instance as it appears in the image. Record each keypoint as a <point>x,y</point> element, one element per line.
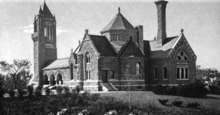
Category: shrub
<point>192,105</point>
<point>163,101</point>
<point>59,89</point>
<point>47,91</point>
<point>196,89</point>
<point>66,90</point>
<point>38,92</point>
<point>20,94</point>
<point>2,90</point>
<point>159,89</point>
<point>12,93</point>
<point>30,91</point>
<point>77,89</point>
<point>214,89</point>
<point>177,103</point>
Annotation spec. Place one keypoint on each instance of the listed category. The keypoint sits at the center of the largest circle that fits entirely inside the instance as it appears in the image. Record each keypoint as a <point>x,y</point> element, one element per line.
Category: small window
<point>120,37</point>
<point>114,37</point>
<point>112,75</point>
<point>139,87</point>
<point>138,68</point>
<point>165,72</point>
<point>87,57</point>
<point>155,73</point>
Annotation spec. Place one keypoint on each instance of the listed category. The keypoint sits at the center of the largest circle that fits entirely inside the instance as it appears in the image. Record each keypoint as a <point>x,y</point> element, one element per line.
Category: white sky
<point>200,20</point>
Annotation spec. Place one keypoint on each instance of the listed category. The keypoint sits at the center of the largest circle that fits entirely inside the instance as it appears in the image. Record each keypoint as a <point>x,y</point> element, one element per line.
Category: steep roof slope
<point>119,22</point>
<point>130,49</point>
<point>102,45</point>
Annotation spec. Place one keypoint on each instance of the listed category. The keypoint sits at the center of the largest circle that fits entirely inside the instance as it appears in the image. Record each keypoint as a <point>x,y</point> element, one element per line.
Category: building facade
<point>117,59</point>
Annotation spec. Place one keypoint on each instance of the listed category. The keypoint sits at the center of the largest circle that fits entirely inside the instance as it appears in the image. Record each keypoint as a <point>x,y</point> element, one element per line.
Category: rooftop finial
<point>86,31</point>
<point>44,1</point>
<point>182,30</point>
<point>119,9</point>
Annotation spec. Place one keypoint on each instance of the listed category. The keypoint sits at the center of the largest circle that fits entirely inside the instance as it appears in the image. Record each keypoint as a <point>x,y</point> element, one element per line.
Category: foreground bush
<point>192,105</point>
<point>196,89</point>
<point>177,103</point>
<point>163,101</point>
<point>214,89</point>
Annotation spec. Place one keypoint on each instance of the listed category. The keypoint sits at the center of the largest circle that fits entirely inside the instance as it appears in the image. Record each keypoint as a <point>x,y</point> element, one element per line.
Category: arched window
<point>52,80</point>
<point>127,67</point>
<point>155,73</point>
<point>87,57</point>
<point>165,72</point>
<point>46,79</point>
<point>59,79</point>
<point>182,66</point>
<point>138,68</point>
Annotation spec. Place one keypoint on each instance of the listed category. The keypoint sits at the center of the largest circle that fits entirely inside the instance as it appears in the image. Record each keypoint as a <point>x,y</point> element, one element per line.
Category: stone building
<point>115,60</point>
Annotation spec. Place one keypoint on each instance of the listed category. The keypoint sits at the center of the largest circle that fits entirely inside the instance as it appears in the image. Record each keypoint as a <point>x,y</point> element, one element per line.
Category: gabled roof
<point>119,22</point>
<point>102,45</point>
<point>46,10</point>
<point>58,64</point>
<point>130,49</point>
<point>157,51</point>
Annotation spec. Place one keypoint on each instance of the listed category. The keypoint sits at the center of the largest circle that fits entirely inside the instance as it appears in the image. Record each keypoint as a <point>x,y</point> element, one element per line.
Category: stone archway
<point>52,80</point>
<point>46,79</point>
<point>59,79</point>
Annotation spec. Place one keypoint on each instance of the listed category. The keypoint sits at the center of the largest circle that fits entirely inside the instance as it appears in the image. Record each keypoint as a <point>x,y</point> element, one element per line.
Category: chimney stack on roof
<point>161,18</point>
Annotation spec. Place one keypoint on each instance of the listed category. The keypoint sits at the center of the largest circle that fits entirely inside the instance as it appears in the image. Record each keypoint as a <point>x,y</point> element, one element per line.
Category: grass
<point>146,97</point>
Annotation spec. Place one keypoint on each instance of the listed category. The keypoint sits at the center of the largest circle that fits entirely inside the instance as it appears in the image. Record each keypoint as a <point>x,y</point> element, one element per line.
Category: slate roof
<point>119,22</point>
<point>156,51</point>
<point>130,49</point>
<point>58,64</point>
<point>102,45</point>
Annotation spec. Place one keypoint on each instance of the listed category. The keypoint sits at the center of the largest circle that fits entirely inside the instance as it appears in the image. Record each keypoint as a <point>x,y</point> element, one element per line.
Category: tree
<point>18,73</point>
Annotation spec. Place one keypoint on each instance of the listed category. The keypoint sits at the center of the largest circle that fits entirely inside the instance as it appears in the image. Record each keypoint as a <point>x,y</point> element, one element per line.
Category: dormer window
<point>114,38</point>
<point>120,37</point>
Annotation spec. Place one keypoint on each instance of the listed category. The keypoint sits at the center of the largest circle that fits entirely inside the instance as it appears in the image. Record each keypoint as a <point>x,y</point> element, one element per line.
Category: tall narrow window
<point>182,73</point>
<point>178,73</point>
<point>50,33</point>
<point>86,76</point>
<point>71,67</point>
<point>137,68</point>
<point>186,73</point>
<point>45,31</point>
<point>155,73</point>
<point>112,75</point>
<point>87,57</point>
<point>165,72</point>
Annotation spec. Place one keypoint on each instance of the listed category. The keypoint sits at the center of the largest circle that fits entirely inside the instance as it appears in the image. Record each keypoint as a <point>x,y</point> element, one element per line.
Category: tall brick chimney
<point>161,18</point>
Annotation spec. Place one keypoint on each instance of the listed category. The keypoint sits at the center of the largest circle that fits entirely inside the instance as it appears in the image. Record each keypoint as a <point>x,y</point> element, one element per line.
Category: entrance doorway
<point>105,76</point>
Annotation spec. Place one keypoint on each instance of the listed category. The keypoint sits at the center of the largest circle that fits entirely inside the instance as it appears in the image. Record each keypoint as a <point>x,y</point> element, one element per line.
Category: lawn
<point>146,97</point>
